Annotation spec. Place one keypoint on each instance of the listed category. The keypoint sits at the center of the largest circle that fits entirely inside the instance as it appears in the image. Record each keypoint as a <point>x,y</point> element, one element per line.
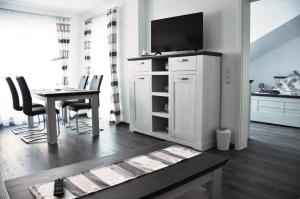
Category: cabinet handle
<point>183,78</point>
<point>183,60</point>
<point>141,63</point>
<point>141,78</point>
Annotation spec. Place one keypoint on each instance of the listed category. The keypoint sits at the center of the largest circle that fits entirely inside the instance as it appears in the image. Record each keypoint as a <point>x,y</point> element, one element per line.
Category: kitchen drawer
<point>254,104</point>
<point>183,63</point>
<point>266,109</point>
<point>292,111</point>
<point>292,105</point>
<point>271,103</point>
<point>141,66</point>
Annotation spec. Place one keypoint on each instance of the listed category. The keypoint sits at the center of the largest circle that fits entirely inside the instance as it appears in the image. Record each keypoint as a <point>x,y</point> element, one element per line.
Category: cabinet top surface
<point>274,95</point>
<point>210,53</point>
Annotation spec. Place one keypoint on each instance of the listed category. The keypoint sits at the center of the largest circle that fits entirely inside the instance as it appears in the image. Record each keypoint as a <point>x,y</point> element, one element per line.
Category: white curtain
<point>100,62</point>
<point>27,44</point>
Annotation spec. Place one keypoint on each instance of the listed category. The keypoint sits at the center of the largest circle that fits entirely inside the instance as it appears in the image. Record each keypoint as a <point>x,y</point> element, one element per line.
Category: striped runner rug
<point>101,178</point>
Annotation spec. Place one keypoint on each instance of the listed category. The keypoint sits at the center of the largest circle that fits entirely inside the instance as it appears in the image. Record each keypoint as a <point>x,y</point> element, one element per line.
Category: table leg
<point>30,121</point>
<point>95,114</point>
<point>65,114</point>
<point>51,121</point>
<point>215,189</point>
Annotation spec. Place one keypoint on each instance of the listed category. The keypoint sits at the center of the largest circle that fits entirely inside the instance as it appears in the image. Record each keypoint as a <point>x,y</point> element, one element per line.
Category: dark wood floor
<point>269,168</point>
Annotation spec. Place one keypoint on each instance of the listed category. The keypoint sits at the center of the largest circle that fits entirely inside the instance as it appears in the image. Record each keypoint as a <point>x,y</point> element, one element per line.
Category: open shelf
<point>160,73</point>
<point>160,83</point>
<point>160,64</point>
<point>160,125</point>
<point>160,94</point>
<point>160,104</point>
<point>161,114</point>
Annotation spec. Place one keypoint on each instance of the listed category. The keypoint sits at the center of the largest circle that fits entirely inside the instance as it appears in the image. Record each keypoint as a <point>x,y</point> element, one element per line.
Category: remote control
<point>58,187</point>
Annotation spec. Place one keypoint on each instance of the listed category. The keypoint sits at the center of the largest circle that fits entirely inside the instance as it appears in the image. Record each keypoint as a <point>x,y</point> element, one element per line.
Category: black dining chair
<point>30,110</point>
<point>95,85</point>
<point>82,85</point>
<point>18,107</point>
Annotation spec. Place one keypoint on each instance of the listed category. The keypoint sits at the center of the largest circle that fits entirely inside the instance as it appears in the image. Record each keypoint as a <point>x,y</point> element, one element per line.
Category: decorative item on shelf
<point>166,88</point>
<point>167,66</point>
<point>261,86</point>
<point>166,107</point>
<point>145,53</point>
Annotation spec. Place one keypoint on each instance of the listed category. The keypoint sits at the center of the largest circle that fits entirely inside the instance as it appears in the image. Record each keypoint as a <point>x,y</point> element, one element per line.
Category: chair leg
<point>58,126</point>
<point>69,119</point>
<point>77,122</point>
<point>25,129</point>
<point>35,136</point>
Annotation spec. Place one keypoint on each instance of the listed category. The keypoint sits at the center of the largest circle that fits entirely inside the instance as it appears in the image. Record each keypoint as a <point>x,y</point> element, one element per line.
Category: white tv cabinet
<point>189,85</point>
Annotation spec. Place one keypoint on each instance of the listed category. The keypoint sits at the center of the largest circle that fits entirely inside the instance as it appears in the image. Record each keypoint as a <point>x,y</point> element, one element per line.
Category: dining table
<point>50,96</point>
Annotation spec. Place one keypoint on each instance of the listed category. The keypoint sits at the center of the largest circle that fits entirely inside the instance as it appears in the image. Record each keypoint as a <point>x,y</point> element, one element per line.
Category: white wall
<point>279,61</point>
<point>266,15</point>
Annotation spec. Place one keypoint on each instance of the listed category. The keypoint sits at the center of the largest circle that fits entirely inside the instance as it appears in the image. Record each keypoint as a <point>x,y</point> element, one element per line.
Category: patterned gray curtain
<point>112,42</point>
<point>87,45</point>
<point>63,30</point>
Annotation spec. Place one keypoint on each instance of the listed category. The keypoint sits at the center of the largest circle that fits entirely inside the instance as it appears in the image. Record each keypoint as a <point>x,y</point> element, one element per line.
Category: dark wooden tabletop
<point>63,92</point>
<point>145,186</point>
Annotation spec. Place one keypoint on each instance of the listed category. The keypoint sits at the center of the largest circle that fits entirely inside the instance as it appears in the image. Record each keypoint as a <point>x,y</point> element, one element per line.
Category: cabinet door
<point>141,102</point>
<point>183,113</point>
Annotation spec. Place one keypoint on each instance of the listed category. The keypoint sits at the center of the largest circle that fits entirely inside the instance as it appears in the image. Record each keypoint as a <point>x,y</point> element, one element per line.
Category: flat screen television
<point>177,33</point>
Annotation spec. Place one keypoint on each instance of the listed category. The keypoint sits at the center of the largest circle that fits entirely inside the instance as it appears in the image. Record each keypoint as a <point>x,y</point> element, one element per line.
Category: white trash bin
<point>223,139</point>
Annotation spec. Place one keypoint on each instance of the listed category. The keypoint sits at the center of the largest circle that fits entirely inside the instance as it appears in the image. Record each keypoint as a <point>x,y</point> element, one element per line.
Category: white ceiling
<point>72,6</point>
<point>275,38</point>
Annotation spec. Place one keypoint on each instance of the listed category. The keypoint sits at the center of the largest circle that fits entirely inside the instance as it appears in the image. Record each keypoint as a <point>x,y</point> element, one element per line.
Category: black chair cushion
<point>37,105</point>
<point>79,106</point>
<point>40,110</point>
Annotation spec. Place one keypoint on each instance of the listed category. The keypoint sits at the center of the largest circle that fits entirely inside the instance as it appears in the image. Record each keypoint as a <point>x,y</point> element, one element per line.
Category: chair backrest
<point>26,96</point>
<point>83,82</point>
<point>14,94</point>
<point>96,82</point>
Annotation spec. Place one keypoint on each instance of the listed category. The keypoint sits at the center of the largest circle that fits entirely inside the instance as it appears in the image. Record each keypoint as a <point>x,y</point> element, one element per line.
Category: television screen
<point>177,33</point>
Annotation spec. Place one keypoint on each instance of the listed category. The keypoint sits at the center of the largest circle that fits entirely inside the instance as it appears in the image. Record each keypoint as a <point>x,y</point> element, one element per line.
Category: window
<point>28,43</point>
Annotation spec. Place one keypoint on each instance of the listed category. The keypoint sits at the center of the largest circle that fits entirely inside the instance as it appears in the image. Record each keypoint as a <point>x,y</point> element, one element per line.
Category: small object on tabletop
<point>261,86</point>
<point>58,187</point>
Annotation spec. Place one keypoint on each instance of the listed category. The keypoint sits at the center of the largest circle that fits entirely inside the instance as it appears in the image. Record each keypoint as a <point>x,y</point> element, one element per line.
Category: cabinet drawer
<point>184,78</point>
<point>254,103</point>
<point>183,63</point>
<point>271,103</point>
<point>266,109</point>
<point>141,66</point>
<point>292,105</point>
<point>292,111</point>
<point>141,78</point>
